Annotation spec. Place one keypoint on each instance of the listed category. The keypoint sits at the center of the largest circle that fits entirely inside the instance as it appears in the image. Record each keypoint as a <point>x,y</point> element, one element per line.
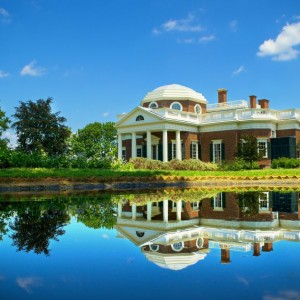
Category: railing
<point>226,115</point>
<point>228,105</point>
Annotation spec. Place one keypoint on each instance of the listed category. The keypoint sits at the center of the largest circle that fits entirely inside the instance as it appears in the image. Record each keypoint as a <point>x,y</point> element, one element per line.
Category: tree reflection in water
<point>35,226</point>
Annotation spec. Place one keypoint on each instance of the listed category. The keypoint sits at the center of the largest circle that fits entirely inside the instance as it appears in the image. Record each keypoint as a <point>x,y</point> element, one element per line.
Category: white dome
<point>174,261</point>
<point>174,92</point>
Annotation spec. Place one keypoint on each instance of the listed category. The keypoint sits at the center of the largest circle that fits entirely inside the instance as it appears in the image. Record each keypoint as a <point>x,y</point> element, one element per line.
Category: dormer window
<point>139,118</point>
<point>176,106</point>
<point>198,109</point>
<point>153,105</point>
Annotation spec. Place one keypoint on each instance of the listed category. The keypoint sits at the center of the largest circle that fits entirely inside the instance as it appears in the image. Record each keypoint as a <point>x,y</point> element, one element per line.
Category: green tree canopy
<point>96,140</point>
<point>4,124</point>
<point>248,149</point>
<point>39,129</point>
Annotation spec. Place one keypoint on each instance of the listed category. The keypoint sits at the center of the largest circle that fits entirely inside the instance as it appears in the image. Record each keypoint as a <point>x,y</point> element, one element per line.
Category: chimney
<point>222,95</point>
<point>264,103</point>
<point>256,249</point>
<point>252,101</point>
<point>225,256</point>
<point>267,247</point>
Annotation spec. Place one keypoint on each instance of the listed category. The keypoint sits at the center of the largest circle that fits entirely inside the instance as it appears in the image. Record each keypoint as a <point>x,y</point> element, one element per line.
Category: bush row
<point>239,164</point>
<point>17,159</point>
<point>175,164</point>
<point>285,163</point>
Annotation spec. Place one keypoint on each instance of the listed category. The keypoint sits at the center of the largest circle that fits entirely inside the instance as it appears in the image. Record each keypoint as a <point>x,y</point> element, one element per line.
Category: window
<point>264,201</point>
<point>217,152</point>
<point>124,153</point>
<point>194,150</point>
<point>176,106</point>
<point>139,151</point>
<point>218,202</point>
<point>177,246</point>
<point>200,243</point>
<point>139,118</point>
<point>173,155</point>
<point>140,233</point>
<point>198,109</point>
<point>153,105</point>
<point>154,247</point>
<point>195,205</point>
<point>262,146</point>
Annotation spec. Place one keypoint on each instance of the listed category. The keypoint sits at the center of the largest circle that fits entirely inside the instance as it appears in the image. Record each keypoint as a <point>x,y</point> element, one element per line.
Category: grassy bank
<point>88,173</point>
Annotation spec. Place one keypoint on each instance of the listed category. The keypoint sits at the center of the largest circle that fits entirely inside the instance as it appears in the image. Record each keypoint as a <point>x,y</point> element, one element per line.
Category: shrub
<point>239,164</point>
<point>285,163</point>
<point>174,164</point>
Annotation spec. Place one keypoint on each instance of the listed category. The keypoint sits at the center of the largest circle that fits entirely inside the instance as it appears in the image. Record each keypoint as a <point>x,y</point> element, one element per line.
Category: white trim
<point>265,141</point>
<point>153,102</point>
<point>176,103</point>
<point>195,109</point>
<point>175,249</point>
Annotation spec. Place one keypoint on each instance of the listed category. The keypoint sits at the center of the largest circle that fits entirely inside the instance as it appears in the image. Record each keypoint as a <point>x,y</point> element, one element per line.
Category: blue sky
<point>99,58</point>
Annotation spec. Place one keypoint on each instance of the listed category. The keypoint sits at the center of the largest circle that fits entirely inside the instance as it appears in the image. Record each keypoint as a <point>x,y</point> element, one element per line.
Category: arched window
<point>176,106</point>
<point>140,233</point>
<point>154,247</point>
<point>177,246</point>
<point>200,243</point>
<point>153,105</point>
<point>198,109</point>
<point>139,118</point>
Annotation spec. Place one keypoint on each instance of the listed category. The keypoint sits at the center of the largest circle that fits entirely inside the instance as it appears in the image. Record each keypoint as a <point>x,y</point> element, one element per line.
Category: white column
<point>119,146</point>
<point>178,210</point>
<point>149,154</point>
<point>133,211</point>
<point>165,211</point>
<point>178,145</point>
<point>119,210</point>
<point>149,211</point>
<point>165,145</point>
<point>133,145</point>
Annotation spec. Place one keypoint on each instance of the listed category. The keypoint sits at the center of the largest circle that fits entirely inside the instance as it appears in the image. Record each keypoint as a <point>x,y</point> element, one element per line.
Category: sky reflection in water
<point>76,257</point>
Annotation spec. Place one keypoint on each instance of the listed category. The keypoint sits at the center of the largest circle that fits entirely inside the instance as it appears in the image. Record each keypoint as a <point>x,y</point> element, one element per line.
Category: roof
<point>173,92</point>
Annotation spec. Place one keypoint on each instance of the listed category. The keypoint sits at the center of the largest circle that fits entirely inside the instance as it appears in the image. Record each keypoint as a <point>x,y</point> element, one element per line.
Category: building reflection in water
<point>177,234</point>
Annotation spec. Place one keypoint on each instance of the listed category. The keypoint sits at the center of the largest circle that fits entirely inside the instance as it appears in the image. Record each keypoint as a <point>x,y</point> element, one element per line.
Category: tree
<point>96,140</point>
<point>34,227</point>
<point>38,129</point>
<point>248,149</point>
<point>4,122</point>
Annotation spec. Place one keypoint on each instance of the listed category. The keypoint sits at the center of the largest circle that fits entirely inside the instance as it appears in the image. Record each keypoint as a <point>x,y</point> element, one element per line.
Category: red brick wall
<point>230,212</point>
<point>289,132</point>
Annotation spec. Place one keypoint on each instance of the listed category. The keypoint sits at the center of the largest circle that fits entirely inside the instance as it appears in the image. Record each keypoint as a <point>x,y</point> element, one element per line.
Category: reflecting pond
<point>198,243</point>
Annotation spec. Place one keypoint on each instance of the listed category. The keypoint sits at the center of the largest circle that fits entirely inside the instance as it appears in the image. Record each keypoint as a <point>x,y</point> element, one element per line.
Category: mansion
<point>176,122</point>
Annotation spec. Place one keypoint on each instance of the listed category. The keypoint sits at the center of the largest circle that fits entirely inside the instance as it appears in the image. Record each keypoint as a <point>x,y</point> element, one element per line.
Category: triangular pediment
<point>138,236</point>
<point>139,116</point>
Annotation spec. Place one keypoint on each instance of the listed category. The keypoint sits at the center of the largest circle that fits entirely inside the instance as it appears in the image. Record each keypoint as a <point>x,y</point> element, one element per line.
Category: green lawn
<point>85,173</point>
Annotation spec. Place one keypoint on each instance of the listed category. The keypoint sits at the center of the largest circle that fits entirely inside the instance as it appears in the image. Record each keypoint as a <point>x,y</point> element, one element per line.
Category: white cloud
<point>105,236</point>
<point>4,15</point>
<point>32,70</point>
<point>181,25</point>
<point>283,47</point>
<point>207,38</point>
<point>27,283</point>
<point>239,70</point>
<point>105,114</point>
<point>12,137</point>
<point>186,41</point>
<point>3,74</point>
<point>233,25</point>
<point>284,295</point>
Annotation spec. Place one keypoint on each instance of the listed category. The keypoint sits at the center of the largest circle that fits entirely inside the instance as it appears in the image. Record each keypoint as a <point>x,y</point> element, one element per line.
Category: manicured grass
<point>86,173</point>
